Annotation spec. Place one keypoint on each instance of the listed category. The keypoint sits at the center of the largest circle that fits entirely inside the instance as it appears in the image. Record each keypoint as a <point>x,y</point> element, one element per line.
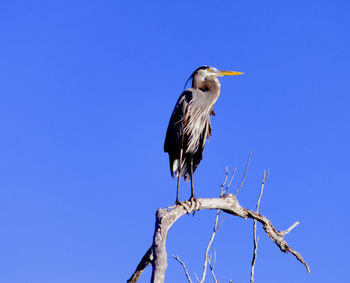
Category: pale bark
<point>166,217</point>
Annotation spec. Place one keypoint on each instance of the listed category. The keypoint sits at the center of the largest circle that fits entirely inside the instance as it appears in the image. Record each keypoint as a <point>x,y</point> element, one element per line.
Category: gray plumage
<point>189,125</point>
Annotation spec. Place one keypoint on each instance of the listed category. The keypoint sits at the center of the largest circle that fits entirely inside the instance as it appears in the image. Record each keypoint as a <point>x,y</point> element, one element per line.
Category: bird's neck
<point>210,85</point>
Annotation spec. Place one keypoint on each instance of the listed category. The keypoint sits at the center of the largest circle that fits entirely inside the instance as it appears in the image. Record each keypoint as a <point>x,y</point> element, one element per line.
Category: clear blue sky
<point>87,89</point>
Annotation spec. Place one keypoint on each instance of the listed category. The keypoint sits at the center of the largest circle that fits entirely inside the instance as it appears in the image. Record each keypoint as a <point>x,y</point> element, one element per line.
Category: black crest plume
<point>191,77</point>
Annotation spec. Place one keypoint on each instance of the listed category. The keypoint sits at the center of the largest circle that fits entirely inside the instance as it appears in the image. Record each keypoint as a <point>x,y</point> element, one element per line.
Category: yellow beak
<point>228,73</point>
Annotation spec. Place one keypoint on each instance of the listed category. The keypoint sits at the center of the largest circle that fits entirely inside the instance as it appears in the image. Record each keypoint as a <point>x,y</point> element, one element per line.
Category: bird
<point>189,126</point>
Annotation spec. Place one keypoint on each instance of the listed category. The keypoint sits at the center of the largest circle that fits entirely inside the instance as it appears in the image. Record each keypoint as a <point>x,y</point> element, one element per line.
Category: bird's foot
<point>185,205</point>
<point>193,202</point>
<point>192,199</point>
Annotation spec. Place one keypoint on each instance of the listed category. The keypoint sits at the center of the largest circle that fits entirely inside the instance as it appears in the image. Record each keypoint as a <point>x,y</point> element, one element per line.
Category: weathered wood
<point>228,203</point>
<point>165,218</point>
<point>146,260</point>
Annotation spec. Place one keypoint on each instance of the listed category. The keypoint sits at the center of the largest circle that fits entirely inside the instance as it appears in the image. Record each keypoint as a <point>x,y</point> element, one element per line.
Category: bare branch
<point>226,177</point>
<point>290,228</point>
<point>262,189</point>
<point>211,266</point>
<point>165,218</point>
<point>196,277</point>
<point>228,203</point>
<point>184,267</point>
<point>233,175</point>
<point>146,260</point>
<point>245,174</point>
<point>216,228</point>
<point>256,240</point>
<point>223,189</point>
<point>254,229</point>
<point>229,184</point>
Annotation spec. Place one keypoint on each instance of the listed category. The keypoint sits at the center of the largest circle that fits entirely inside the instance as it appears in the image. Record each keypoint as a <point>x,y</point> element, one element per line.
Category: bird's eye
<point>209,70</point>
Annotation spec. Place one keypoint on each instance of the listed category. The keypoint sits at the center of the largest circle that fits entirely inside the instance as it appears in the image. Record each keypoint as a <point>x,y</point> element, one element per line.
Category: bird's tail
<point>182,171</point>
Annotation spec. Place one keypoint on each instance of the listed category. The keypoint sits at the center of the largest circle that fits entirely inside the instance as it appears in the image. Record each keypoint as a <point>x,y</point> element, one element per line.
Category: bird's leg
<point>177,191</point>
<point>191,172</point>
<point>192,198</point>
<point>178,178</point>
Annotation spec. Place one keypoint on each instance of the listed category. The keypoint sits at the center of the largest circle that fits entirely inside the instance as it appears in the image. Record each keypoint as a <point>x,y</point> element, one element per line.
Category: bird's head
<point>208,71</point>
<point>204,72</point>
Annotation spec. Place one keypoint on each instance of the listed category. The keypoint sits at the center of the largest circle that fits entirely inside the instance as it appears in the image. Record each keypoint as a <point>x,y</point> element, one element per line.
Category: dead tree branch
<point>165,218</point>
<point>245,173</point>
<point>223,189</point>
<point>146,260</point>
<point>290,228</point>
<point>206,257</point>
<point>211,266</point>
<point>184,267</point>
<point>254,228</point>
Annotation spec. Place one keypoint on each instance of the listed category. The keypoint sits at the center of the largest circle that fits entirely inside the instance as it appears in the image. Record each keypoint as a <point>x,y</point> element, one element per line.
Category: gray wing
<point>174,135</point>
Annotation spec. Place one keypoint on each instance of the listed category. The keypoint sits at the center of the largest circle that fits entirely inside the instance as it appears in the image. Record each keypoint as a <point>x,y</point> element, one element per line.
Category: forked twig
<point>290,228</point>
<point>245,174</point>
<point>254,228</point>
<point>226,177</point>
<point>206,258</point>
<point>184,267</point>
<point>229,184</point>
<point>211,266</point>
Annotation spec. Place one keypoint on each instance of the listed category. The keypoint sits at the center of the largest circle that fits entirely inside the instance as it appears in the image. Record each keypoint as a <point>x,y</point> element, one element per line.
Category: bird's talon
<point>192,199</point>
<point>185,205</point>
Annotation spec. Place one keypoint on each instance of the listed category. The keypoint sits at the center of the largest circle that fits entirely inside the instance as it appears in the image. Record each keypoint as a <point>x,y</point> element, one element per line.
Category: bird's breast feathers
<point>196,128</point>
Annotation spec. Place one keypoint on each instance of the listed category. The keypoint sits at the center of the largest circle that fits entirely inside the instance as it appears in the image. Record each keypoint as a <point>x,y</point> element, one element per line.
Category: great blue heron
<point>189,125</point>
